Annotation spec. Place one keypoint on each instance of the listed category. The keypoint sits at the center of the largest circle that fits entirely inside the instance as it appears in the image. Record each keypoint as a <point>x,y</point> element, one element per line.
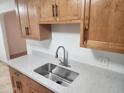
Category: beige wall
<point>16,43</point>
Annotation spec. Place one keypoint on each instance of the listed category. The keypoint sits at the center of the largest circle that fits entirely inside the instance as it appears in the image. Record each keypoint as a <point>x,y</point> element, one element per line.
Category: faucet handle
<point>56,56</point>
<point>60,61</point>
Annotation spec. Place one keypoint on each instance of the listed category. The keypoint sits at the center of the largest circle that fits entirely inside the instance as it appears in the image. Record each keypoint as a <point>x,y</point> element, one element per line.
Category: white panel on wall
<point>4,52</point>
<point>69,37</point>
<point>16,43</point>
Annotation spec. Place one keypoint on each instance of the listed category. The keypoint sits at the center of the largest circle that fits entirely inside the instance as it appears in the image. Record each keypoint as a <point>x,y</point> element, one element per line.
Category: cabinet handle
<point>53,8</point>
<point>56,7</point>
<point>85,35</point>
<point>87,9</point>
<point>27,31</point>
<point>18,84</point>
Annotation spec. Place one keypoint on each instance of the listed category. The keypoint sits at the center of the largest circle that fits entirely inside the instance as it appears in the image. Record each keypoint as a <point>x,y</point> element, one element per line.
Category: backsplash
<point>69,37</point>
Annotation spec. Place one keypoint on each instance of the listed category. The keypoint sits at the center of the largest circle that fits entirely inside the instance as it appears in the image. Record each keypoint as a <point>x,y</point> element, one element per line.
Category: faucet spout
<point>65,56</point>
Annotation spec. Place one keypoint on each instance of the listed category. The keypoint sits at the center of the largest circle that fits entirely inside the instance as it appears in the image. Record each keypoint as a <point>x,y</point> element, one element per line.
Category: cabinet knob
<point>18,85</point>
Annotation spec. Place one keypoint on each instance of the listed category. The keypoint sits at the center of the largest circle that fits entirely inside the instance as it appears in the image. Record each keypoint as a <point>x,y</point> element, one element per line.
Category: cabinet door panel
<point>99,20</point>
<point>34,18</point>
<point>16,83</point>
<point>69,9</point>
<point>19,82</point>
<point>18,87</point>
<point>33,91</point>
<point>106,25</point>
<point>116,21</point>
<point>24,83</point>
<point>46,10</point>
<point>116,24</point>
<point>23,16</point>
<point>42,89</point>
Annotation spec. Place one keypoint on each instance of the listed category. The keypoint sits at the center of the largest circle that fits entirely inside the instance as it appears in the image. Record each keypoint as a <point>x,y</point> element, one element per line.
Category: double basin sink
<point>57,74</point>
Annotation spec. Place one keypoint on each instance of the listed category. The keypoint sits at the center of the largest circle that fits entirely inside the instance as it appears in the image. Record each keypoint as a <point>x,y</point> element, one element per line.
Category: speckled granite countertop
<point>90,80</point>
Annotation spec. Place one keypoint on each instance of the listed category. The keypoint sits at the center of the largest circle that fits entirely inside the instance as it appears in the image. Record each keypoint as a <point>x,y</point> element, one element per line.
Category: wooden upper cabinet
<point>116,23</point>
<point>46,10</point>
<point>104,24</point>
<point>34,18</point>
<point>29,18</point>
<point>59,10</point>
<point>98,24</point>
<point>22,12</point>
<point>68,9</point>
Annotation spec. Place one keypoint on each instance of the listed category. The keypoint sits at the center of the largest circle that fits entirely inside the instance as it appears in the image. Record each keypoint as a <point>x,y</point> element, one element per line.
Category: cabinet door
<point>22,11</point>
<point>116,25</point>
<point>47,10</point>
<point>37,88</point>
<point>18,87</point>
<point>34,19</point>
<point>99,23</point>
<point>106,26</point>
<point>16,83</point>
<point>42,89</point>
<point>19,82</point>
<point>68,9</point>
<point>24,83</point>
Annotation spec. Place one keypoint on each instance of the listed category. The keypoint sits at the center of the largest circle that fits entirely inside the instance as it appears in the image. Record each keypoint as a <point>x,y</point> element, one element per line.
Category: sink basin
<point>57,74</point>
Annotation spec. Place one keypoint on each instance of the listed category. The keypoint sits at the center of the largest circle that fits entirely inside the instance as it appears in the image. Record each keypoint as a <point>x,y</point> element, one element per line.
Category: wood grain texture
<point>27,84</point>
<point>29,17</point>
<point>106,46</point>
<point>62,22</point>
<point>68,9</point>
<point>46,10</point>
<point>56,11</point>
<point>19,82</point>
<point>39,32</point>
<point>45,31</point>
<point>33,19</point>
<point>22,11</point>
<point>106,25</point>
<point>99,19</point>
<point>82,24</point>
<point>37,88</point>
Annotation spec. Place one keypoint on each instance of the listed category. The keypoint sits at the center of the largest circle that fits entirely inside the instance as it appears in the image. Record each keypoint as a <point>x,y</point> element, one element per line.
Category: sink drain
<point>59,82</point>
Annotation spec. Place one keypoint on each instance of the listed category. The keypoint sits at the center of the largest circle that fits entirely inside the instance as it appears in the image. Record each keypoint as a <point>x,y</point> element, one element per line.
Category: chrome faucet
<point>65,56</point>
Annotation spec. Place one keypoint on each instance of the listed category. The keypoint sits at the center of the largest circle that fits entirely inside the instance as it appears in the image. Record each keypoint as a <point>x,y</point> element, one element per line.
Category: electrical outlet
<point>104,61</point>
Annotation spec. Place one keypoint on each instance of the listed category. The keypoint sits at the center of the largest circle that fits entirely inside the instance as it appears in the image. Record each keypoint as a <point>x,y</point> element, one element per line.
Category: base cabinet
<point>19,82</point>
<point>23,84</point>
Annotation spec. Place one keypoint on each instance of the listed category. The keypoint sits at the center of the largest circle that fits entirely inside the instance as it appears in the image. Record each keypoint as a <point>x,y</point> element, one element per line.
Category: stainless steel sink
<point>57,74</point>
